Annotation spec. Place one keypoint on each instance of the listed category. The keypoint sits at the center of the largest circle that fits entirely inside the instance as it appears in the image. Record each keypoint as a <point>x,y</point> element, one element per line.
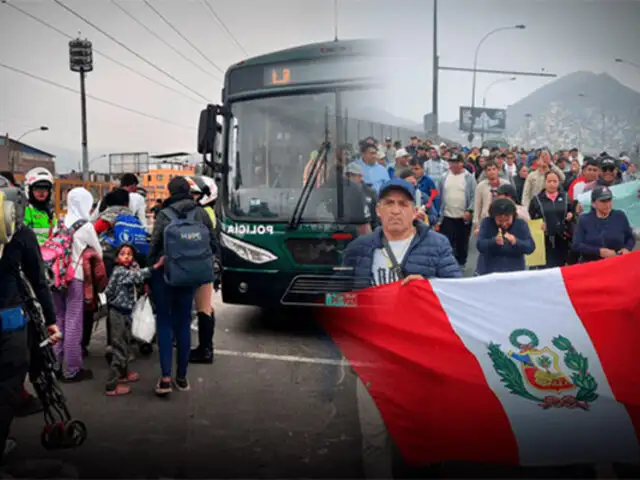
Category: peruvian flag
<point>534,368</point>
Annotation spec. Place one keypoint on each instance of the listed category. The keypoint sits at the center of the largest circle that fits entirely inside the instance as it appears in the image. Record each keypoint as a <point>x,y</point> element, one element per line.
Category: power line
<point>182,36</point>
<point>117,62</point>
<point>158,37</point>
<point>97,99</point>
<point>112,38</point>
<point>231,35</point>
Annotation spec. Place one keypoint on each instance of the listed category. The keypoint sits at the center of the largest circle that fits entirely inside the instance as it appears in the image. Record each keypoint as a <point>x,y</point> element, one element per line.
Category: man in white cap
<point>402,163</point>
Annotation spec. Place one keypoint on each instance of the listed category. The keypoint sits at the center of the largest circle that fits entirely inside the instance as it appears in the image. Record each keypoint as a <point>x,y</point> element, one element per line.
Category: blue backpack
<point>128,229</point>
<point>188,256</point>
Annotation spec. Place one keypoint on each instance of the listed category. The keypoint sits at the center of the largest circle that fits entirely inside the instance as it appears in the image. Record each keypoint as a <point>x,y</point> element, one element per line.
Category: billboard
<point>485,120</point>
<point>137,162</point>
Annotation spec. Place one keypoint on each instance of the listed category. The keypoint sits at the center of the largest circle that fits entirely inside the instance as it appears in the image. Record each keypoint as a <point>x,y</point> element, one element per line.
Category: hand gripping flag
<point>534,368</point>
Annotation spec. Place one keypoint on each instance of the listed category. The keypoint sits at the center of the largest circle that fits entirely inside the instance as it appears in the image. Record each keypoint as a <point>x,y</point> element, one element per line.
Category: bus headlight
<point>246,251</point>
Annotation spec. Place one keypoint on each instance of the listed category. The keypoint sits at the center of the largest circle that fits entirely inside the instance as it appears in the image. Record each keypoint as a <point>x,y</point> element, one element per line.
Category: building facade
<point>19,157</point>
<point>156,179</point>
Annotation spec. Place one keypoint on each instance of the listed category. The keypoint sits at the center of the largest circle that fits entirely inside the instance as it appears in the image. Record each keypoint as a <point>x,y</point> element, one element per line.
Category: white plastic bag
<point>144,323</point>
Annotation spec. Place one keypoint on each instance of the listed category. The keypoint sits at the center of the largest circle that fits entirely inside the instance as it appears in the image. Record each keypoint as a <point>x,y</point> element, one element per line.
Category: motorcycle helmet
<point>193,186</point>
<point>208,188</point>
<point>38,177</point>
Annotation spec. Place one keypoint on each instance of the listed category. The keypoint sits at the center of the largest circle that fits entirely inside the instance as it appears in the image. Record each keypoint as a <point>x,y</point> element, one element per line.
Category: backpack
<point>187,250</point>
<point>57,255</point>
<point>128,229</point>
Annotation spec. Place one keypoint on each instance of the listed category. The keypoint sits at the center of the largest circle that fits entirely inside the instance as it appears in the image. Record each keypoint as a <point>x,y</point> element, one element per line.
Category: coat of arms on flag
<point>541,377</point>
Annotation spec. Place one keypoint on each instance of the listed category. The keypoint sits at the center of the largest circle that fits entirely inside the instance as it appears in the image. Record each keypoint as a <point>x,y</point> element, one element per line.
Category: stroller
<point>60,431</point>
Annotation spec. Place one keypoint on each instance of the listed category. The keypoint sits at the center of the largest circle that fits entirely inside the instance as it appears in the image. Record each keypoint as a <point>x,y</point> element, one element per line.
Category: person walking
<point>174,299</point>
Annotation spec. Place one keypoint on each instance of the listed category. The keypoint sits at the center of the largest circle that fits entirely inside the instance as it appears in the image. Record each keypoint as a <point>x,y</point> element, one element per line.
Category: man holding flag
<point>401,249</point>
<point>449,375</point>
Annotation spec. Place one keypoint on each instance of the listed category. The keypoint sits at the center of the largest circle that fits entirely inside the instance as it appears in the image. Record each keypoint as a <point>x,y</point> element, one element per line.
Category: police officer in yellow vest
<point>39,213</point>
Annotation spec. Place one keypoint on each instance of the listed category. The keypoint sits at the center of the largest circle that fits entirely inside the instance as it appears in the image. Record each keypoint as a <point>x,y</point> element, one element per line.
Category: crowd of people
<point>492,195</point>
<point>457,191</point>
<point>101,256</point>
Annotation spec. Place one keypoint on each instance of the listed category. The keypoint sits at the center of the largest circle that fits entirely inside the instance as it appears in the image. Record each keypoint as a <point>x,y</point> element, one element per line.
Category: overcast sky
<point>562,36</point>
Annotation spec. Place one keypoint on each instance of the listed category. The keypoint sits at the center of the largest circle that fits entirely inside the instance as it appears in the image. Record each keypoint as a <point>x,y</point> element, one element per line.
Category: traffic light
<point>80,55</point>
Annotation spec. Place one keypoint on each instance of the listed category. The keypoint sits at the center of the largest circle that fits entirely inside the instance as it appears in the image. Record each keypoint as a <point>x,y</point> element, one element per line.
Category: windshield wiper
<point>316,167</point>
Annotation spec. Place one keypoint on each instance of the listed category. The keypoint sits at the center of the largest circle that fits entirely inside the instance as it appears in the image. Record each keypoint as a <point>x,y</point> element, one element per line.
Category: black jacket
<point>183,203</point>
<point>23,253</point>
<point>553,213</point>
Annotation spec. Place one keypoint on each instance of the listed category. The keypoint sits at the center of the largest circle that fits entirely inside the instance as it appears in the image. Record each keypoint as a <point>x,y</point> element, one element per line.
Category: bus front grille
<point>312,289</point>
<point>314,251</point>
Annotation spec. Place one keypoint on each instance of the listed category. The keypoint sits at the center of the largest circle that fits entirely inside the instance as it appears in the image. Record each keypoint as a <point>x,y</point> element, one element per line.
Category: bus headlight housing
<point>246,251</point>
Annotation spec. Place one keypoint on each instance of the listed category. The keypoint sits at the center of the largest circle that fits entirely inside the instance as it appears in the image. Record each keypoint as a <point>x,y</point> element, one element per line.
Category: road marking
<point>283,358</point>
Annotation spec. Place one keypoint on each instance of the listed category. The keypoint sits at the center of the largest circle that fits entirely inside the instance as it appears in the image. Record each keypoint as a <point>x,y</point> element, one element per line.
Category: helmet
<point>38,175</point>
<point>193,185</point>
<point>209,190</point>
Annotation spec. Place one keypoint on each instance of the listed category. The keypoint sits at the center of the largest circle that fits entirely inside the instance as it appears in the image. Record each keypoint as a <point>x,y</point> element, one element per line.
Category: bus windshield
<point>272,144</point>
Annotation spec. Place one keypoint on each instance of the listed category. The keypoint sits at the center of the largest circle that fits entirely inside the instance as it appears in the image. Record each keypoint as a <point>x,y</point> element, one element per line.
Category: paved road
<point>257,412</point>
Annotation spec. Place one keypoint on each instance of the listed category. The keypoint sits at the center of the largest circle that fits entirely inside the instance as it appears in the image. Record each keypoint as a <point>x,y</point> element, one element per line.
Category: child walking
<point>121,295</point>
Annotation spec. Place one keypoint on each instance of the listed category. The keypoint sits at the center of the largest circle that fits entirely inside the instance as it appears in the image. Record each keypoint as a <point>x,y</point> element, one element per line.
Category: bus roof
<point>305,52</point>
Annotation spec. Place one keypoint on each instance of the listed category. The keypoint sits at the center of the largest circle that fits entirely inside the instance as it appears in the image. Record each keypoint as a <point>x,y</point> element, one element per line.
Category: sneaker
<point>29,406</point>
<point>163,388</point>
<point>201,355</point>
<point>182,384</point>
<point>81,376</point>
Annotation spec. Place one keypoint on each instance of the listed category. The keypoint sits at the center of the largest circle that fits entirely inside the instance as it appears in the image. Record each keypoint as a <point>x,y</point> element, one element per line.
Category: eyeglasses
<point>609,169</point>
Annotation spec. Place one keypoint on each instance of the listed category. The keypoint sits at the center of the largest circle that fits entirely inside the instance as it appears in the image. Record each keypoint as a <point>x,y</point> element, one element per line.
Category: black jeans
<point>458,232</point>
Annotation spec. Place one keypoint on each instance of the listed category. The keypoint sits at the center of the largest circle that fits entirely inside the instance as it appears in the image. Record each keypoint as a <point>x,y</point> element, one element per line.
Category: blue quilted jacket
<point>429,255</point>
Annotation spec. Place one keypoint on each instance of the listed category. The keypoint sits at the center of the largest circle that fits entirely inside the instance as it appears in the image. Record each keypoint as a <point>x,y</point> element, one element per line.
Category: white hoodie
<point>79,203</point>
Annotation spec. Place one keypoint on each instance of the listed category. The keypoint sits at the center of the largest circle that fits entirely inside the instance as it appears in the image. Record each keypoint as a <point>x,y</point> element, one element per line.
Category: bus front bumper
<point>276,288</point>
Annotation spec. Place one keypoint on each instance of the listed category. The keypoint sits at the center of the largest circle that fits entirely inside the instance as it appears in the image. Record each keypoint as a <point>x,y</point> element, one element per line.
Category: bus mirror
<point>207,130</point>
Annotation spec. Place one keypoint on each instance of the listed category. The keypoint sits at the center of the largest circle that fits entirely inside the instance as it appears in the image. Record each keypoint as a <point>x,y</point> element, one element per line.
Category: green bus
<point>286,118</point>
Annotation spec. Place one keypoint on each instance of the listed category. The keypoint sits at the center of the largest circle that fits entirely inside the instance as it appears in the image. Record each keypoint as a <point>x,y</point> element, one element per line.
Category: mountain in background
<point>572,111</point>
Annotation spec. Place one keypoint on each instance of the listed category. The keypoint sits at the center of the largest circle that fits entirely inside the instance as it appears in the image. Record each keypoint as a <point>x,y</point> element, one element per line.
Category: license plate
<point>348,300</point>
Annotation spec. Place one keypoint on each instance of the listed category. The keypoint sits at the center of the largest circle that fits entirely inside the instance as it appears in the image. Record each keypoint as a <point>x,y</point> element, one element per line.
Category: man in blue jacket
<point>419,251</point>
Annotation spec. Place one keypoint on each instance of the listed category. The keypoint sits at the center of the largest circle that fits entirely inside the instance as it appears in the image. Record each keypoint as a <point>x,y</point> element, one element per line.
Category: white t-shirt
<point>382,267</point>
<point>454,201</point>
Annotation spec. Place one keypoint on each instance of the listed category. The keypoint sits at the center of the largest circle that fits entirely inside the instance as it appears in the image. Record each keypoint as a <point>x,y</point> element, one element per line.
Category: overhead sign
<point>428,123</point>
<point>485,120</point>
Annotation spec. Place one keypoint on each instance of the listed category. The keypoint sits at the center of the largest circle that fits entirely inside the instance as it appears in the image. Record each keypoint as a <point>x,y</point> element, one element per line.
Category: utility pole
<point>81,61</point>
<point>335,20</point>
<point>436,70</point>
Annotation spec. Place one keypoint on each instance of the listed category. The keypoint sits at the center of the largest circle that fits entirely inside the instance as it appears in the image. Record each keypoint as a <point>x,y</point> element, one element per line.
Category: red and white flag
<point>532,368</point>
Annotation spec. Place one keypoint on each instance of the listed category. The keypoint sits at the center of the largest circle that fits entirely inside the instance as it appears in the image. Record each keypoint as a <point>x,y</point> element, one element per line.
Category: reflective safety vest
<point>212,215</point>
<point>39,222</point>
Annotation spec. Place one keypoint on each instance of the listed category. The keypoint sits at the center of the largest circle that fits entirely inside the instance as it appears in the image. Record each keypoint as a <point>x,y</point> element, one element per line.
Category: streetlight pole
<point>475,72</point>
<point>484,95</point>
<point>436,70</point>
<point>81,61</point>
<point>42,128</point>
